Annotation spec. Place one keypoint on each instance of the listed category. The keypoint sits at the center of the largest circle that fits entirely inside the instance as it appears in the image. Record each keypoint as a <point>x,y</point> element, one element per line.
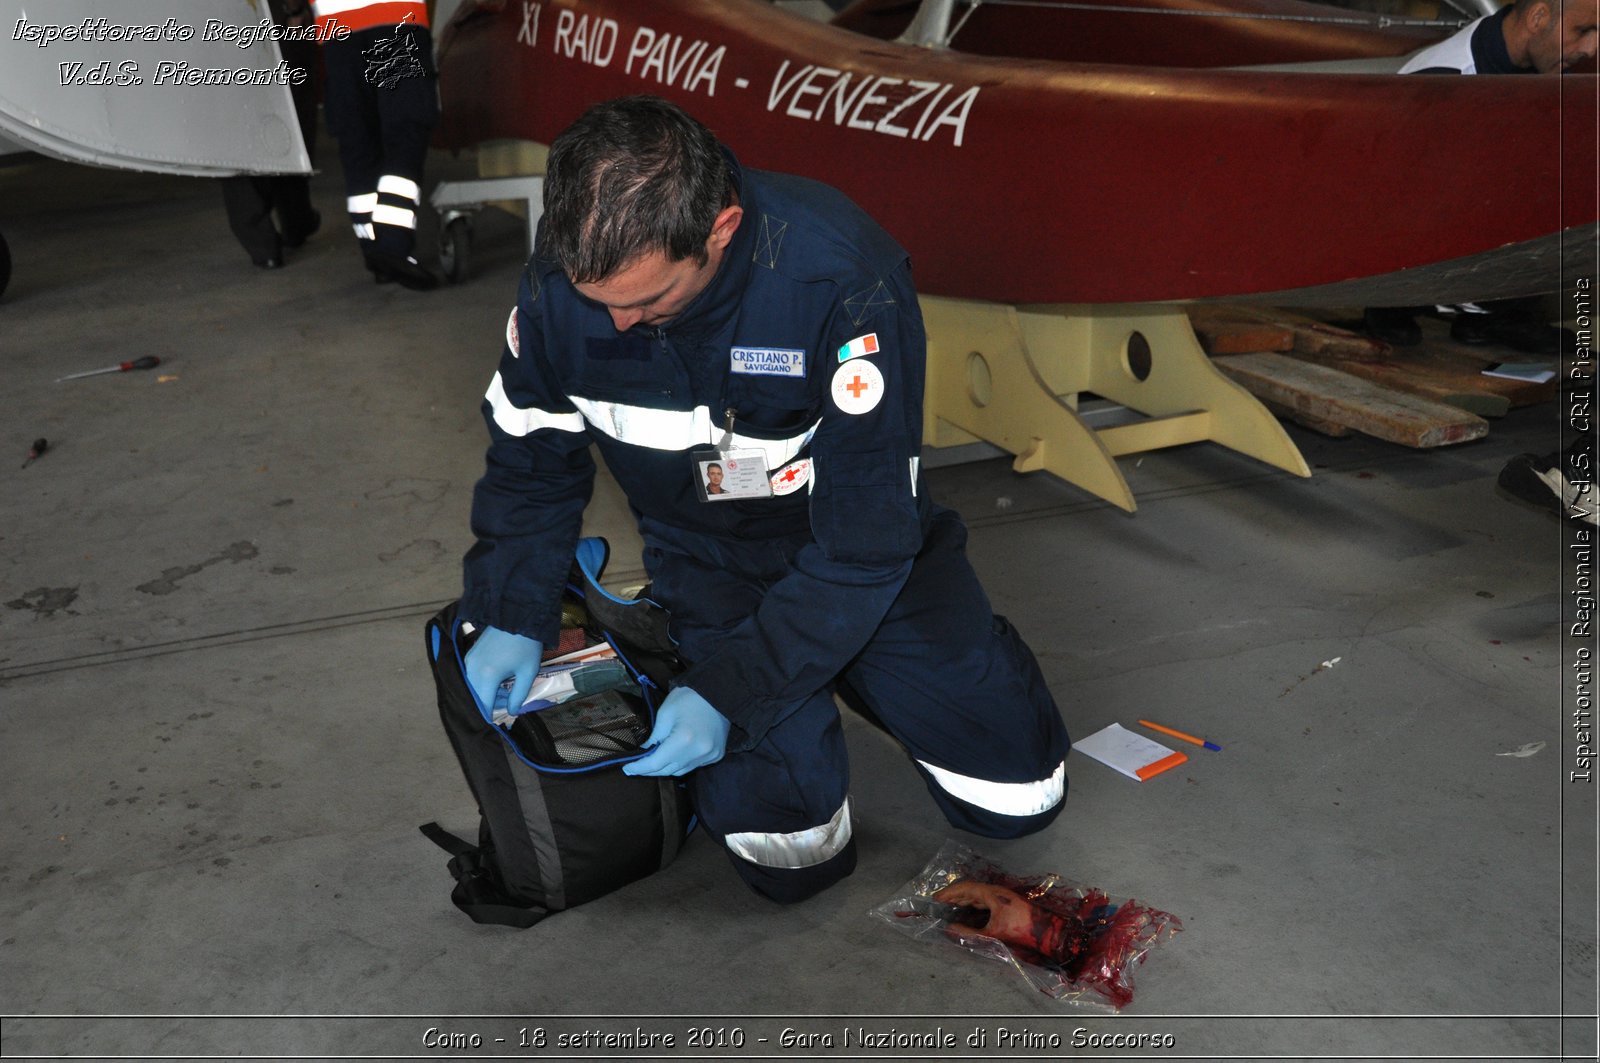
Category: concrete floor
<point>218,734</point>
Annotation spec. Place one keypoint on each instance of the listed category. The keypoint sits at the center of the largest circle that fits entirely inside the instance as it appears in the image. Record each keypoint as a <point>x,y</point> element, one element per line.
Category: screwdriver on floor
<point>149,361</point>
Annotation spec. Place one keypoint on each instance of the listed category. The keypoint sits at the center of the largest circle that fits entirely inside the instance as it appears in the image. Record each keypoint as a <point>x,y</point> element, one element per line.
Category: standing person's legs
<point>248,200</point>
<point>353,121</point>
<point>291,195</point>
<point>958,687</point>
<point>407,111</point>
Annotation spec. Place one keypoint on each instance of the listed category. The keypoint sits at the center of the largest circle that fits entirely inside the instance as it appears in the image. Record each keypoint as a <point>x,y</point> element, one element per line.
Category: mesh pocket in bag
<point>584,729</point>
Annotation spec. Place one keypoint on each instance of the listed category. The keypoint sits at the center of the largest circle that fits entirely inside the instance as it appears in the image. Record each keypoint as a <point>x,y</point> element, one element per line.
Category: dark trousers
<point>953,683</point>
<point>381,102</point>
<point>251,200</point>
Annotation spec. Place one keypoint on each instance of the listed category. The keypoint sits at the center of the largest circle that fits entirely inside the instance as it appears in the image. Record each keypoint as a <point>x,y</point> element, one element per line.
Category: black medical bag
<point>560,824</point>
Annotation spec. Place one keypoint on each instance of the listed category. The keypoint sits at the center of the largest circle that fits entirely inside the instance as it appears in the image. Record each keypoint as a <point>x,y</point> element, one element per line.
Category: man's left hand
<point>688,734</point>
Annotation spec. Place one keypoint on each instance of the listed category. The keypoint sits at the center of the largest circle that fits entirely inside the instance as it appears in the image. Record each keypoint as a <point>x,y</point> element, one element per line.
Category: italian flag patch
<point>859,346</point>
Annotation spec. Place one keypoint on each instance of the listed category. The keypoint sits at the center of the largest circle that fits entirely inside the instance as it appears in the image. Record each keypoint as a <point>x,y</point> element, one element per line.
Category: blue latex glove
<point>496,656</point>
<point>689,734</point>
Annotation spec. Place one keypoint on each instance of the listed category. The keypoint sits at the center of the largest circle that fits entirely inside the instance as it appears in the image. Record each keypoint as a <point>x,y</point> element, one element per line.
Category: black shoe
<point>297,236</point>
<point>1543,482</point>
<point>1394,325</point>
<point>402,270</point>
<point>1472,329</point>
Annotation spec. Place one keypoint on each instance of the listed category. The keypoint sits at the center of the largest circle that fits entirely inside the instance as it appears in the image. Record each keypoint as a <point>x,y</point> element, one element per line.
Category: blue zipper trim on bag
<point>639,677</point>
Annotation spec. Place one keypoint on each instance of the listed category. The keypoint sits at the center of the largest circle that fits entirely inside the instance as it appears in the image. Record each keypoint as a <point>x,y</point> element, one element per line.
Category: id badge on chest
<point>723,473</point>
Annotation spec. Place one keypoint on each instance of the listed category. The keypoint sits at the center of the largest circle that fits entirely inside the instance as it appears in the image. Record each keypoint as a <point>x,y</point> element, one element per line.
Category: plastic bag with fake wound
<point>1070,942</point>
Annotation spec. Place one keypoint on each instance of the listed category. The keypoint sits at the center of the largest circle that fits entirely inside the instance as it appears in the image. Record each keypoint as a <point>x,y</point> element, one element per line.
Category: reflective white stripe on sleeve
<point>517,421</point>
<point>383,214</point>
<point>916,463</point>
<point>364,230</point>
<point>1005,798</point>
<point>644,426</point>
<point>361,204</point>
<point>803,848</point>
<point>400,186</point>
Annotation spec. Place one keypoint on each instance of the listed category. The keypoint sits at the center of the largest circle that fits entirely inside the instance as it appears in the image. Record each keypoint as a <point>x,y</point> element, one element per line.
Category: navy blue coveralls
<point>848,576</point>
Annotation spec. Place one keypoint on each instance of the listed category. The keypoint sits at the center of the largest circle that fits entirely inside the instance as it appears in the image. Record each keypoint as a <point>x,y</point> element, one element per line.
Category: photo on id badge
<point>725,476</point>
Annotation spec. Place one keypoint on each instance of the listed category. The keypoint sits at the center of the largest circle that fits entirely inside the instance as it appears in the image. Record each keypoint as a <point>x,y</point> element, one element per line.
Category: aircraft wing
<point>162,85</point>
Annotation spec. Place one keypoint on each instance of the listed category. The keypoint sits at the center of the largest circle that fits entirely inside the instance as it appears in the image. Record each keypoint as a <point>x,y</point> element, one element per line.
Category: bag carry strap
<point>478,893</point>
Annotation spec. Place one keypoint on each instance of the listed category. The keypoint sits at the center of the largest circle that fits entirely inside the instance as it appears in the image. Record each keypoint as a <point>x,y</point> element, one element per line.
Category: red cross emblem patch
<point>857,386</point>
<point>792,477</point>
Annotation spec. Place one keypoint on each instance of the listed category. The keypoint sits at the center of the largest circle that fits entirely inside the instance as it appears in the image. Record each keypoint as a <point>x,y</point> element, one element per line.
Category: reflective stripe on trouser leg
<point>801,848</point>
<point>781,808</point>
<point>394,217</point>
<point>360,208</point>
<point>778,801</point>
<point>957,686</point>
<point>1003,798</point>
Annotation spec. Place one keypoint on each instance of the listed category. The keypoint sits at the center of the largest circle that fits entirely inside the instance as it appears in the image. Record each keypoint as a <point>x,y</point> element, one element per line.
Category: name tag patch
<point>768,361</point>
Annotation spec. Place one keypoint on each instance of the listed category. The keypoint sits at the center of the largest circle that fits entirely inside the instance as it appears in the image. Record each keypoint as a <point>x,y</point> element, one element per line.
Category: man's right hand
<point>496,656</point>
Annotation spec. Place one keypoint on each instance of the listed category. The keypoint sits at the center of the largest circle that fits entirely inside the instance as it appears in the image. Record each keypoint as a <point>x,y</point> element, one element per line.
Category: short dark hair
<point>631,176</point>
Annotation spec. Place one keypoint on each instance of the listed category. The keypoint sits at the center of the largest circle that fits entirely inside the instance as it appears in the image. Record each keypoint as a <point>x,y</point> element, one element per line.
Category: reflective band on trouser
<point>645,426</point>
<point>403,217</point>
<point>396,202</point>
<point>356,15</point>
<point>803,848</point>
<point>518,421</point>
<point>1004,798</point>
<point>404,187</point>
<point>360,208</point>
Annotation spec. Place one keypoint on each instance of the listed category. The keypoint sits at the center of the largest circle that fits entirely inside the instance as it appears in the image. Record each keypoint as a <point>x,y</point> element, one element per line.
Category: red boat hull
<point>1033,182</point>
<point>1195,33</point>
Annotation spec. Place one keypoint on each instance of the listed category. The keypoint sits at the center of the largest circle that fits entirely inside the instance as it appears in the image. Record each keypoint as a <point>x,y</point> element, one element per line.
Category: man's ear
<point>725,226</point>
<point>1537,15</point>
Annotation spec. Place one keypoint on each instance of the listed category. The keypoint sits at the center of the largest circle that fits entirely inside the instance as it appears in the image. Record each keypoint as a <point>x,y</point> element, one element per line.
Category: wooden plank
<point>1221,331</point>
<point>1342,399</point>
<point>1307,336</point>
<point>1305,420</point>
<point>1315,339</point>
<point>1451,373</point>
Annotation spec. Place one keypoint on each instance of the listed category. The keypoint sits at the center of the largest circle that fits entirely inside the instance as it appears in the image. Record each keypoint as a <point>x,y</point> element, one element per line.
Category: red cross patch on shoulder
<point>857,386</point>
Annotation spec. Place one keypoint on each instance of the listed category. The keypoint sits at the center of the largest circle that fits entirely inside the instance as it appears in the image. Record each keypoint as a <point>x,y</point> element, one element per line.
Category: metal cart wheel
<point>455,243</point>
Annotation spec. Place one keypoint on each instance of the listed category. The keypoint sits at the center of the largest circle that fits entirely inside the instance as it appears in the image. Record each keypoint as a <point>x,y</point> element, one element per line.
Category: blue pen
<point>1179,734</point>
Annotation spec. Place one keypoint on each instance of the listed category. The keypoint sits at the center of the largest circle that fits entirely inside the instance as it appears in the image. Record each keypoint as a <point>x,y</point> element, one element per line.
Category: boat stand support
<point>1012,376</point>
<point>510,177</point>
